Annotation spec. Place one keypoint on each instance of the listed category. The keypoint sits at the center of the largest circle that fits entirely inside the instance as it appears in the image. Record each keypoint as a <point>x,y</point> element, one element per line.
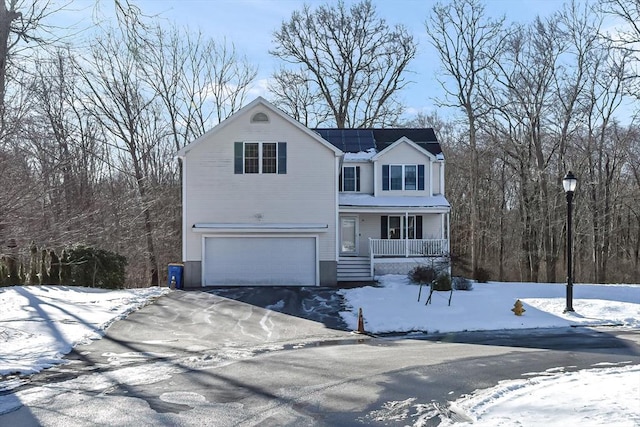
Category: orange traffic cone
<point>360,322</point>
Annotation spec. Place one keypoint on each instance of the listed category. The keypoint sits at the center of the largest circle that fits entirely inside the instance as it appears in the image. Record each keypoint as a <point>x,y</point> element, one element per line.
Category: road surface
<point>199,359</point>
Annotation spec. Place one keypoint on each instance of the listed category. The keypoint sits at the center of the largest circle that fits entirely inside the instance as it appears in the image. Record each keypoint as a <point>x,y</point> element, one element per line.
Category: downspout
<point>442,178</point>
<point>449,239</point>
<point>375,177</point>
<point>181,162</point>
<point>448,230</point>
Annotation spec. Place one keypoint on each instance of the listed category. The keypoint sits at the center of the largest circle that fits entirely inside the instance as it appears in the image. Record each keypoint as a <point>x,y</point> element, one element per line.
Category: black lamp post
<point>569,183</point>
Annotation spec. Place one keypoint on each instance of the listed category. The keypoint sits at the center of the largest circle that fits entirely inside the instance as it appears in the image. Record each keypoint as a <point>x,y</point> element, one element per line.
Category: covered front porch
<point>390,242</point>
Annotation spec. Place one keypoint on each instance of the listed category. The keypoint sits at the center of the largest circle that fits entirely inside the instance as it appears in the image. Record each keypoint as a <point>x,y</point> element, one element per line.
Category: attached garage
<point>273,260</point>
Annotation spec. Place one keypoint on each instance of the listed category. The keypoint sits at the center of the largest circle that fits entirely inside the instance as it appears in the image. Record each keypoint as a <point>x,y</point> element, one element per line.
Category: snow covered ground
<point>394,307</point>
<point>597,397</point>
<point>39,324</point>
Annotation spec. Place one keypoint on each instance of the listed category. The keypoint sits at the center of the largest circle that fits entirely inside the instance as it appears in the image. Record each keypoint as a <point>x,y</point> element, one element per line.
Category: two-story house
<point>268,201</point>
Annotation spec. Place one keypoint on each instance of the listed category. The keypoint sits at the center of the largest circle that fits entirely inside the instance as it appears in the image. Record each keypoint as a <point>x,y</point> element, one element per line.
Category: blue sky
<point>249,24</point>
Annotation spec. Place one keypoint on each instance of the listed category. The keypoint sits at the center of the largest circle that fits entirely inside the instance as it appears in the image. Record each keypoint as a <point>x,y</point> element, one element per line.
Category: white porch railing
<point>408,247</point>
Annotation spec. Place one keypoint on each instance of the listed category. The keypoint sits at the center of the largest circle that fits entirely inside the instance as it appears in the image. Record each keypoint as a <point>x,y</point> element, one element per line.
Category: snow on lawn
<point>40,324</point>
<point>394,306</point>
<point>591,397</point>
<point>594,397</point>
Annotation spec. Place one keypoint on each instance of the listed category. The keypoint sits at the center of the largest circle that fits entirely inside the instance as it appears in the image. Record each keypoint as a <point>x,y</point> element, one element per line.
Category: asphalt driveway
<point>317,304</point>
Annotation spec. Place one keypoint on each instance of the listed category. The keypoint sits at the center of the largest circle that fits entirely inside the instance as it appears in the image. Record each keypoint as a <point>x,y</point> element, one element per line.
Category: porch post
<point>371,257</point>
<point>406,234</point>
<point>448,231</point>
<point>443,225</point>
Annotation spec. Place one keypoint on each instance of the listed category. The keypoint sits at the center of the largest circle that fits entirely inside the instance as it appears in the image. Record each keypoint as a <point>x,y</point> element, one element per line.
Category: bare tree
<point>524,99</point>
<point>21,22</point>
<point>65,144</point>
<point>128,112</point>
<point>468,44</point>
<point>604,153</point>
<point>295,93</point>
<point>627,36</point>
<point>199,81</point>
<point>353,58</point>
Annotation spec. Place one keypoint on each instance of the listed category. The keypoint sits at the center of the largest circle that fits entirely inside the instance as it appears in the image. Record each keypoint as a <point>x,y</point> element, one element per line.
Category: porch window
<point>260,157</point>
<point>350,179</point>
<point>401,227</point>
<point>395,227</point>
<point>402,177</point>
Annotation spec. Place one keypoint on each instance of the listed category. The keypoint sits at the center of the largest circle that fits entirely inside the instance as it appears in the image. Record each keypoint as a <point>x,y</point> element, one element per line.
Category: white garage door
<point>251,261</point>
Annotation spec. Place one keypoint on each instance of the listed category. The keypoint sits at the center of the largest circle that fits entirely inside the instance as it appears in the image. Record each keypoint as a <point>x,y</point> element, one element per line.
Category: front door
<point>349,235</point>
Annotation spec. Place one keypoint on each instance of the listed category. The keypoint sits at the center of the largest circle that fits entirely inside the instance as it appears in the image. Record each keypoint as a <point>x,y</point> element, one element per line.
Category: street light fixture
<point>569,183</point>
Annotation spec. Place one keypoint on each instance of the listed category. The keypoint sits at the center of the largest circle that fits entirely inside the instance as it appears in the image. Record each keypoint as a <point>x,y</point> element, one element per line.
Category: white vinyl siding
<point>307,193</point>
<point>437,178</point>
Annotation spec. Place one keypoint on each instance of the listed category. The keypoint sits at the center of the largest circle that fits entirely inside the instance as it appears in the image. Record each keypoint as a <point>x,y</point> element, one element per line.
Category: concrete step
<point>353,260</point>
<point>354,269</point>
<point>355,279</point>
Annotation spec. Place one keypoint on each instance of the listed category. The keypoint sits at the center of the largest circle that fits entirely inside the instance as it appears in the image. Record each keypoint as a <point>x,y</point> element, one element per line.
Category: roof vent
<point>260,118</point>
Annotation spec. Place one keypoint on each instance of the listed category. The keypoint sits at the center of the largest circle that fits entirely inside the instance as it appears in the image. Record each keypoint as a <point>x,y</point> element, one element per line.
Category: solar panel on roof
<point>349,140</point>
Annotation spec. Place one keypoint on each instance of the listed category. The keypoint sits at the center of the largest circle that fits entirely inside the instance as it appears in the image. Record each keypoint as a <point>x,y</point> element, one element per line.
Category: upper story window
<point>402,177</point>
<point>260,157</point>
<point>350,178</point>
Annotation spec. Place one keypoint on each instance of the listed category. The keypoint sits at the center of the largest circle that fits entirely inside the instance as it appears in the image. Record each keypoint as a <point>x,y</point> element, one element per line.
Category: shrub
<point>22,275</point>
<point>441,283</point>
<point>34,263</point>
<point>54,268</point>
<point>482,275</point>
<point>44,274</point>
<point>462,284</point>
<point>4,274</point>
<point>422,274</point>
<point>12,272</point>
<point>96,268</point>
<point>65,269</point>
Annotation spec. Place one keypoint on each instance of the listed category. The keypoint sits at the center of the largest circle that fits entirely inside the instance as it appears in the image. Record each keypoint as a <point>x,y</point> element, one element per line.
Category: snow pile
<point>551,400</point>
<point>40,324</point>
<point>394,306</point>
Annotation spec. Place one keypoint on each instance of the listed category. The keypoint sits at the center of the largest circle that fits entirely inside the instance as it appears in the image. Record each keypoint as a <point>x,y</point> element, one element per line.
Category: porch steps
<point>354,269</point>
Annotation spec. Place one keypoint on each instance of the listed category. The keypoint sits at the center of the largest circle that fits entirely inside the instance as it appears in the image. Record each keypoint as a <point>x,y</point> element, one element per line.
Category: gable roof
<point>358,140</point>
<point>241,112</point>
<point>405,140</point>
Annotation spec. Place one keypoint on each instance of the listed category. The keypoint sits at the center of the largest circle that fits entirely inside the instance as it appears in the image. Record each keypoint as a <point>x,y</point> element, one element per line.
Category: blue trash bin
<point>174,278</point>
